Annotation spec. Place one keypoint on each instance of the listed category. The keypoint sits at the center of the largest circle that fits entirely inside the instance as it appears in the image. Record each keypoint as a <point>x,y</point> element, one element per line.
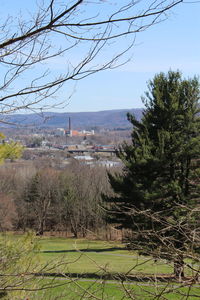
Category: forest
<point>42,198</point>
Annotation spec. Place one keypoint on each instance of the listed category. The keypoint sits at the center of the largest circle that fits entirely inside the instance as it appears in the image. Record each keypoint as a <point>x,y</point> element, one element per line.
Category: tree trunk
<point>41,227</point>
<point>74,229</point>
<point>179,267</point>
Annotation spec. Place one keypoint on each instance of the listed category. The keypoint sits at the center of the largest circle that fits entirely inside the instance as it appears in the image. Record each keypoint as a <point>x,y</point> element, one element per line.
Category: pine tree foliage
<point>157,195</point>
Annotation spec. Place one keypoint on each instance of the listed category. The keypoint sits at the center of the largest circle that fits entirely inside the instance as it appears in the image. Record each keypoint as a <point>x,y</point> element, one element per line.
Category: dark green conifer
<point>158,190</point>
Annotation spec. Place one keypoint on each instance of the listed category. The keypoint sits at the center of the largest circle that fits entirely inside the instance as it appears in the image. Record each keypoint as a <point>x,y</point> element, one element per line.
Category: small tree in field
<point>157,193</point>
<point>10,150</point>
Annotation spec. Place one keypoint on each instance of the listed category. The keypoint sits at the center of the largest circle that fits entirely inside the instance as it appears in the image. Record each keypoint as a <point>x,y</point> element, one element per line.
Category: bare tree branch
<point>79,34</point>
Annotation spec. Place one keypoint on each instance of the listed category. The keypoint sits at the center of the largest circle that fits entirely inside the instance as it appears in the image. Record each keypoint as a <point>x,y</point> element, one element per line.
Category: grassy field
<point>107,290</point>
<point>88,258</point>
<point>119,291</point>
<point>84,256</point>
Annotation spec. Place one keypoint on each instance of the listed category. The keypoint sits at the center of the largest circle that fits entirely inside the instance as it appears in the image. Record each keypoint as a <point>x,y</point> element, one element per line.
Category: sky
<point>172,44</point>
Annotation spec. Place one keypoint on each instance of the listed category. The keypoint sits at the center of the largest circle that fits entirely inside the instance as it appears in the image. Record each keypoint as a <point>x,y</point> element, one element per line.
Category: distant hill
<point>79,120</point>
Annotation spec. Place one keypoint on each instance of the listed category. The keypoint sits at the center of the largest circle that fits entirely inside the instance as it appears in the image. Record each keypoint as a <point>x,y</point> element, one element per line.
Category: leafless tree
<point>7,212</point>
<point>39,199</point>
<point>83,36</point>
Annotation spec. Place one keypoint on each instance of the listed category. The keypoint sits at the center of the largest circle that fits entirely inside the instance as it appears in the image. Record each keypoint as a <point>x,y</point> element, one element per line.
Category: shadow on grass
<point>84,250</point>
<point>140,277</point>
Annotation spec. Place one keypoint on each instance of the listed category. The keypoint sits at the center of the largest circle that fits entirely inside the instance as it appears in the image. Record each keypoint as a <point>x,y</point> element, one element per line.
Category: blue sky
<point>173,44</point>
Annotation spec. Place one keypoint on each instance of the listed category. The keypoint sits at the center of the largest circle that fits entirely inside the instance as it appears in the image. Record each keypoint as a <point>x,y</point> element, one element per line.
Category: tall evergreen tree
<point>157,192</point>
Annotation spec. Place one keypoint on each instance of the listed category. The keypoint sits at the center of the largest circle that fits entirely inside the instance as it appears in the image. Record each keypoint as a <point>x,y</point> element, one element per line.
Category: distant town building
<point>60,131</point>
<point>79,133</point>
<point>70,132</point>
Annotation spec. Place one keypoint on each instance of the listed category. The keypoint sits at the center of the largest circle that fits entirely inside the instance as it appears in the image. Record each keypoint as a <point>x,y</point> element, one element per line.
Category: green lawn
<point>90,256</point>
<point>97,257</point>
<point>80,290</point>
<point>84,256</point>
<point>111,291</point>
